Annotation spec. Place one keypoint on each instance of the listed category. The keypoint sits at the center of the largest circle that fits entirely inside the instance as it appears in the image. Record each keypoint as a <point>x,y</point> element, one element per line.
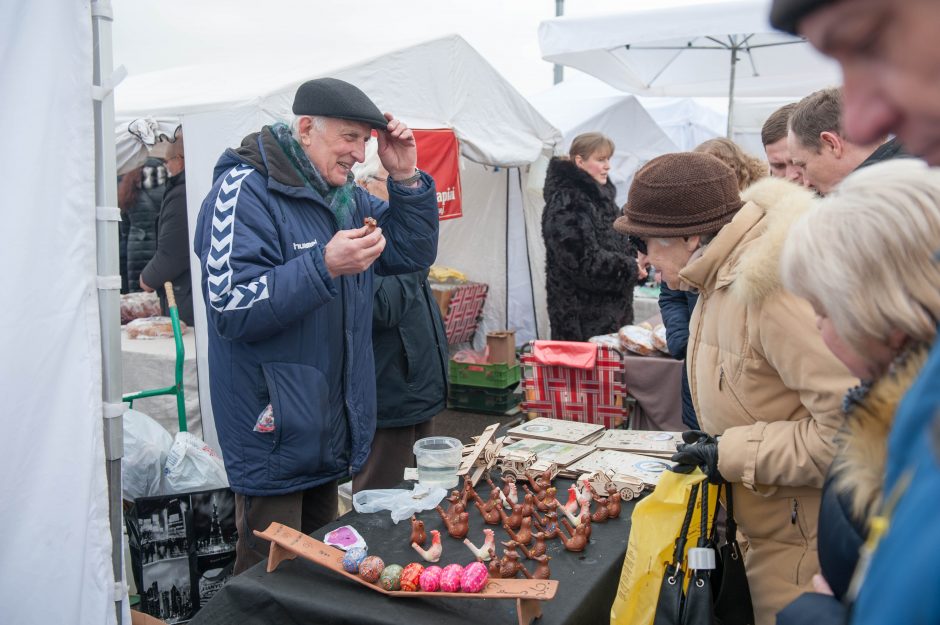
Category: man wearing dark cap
<point>766,390</point>
<point>288,247</point>
<point>890,57</point>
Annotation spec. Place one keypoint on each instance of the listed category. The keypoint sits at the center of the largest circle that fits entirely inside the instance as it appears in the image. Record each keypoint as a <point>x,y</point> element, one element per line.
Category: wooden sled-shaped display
<point>287,544</point>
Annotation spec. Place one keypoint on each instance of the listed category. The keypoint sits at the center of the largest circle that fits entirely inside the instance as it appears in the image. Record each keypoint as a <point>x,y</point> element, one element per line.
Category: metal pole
<point>559,69</point>
<point>109,283</point>
<point>734,63</point>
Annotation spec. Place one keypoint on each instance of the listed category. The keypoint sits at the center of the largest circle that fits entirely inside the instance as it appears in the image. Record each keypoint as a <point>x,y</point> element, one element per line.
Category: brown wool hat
<point>680,195</point>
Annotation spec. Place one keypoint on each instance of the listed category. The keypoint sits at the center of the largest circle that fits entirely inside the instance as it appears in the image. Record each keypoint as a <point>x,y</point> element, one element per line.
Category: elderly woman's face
<point>670,256</point>
<point>597,165</point>
<point>871,364</point>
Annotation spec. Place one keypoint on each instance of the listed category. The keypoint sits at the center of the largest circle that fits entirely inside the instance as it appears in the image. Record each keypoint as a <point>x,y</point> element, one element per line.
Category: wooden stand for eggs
<point>287,544</point>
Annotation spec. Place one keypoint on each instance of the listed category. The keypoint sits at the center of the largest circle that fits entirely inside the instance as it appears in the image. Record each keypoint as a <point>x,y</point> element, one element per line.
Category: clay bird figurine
<point>510,566</point>
<point>512,493</point>
<point>495,565</point>
<point>537,549</point>
<point>513,520</point>
<point>458,526</point>
<point>417,531</point>
<point>613,501</point>
<point>528,505</point>
<point>524,535</point>
<point>585,493</point>
<point>572,505</point>
<point>541,569</point>
<point>482,553</point>
<point>601,514</point>
<point>491,509</point>
<point>578,540</point>
<point>550,525</point>
<point>432,553</point>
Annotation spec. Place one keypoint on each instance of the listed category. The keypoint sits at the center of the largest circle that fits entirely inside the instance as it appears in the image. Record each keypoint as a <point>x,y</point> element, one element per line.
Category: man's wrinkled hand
<point>699,450</point>
<point>352,251</point>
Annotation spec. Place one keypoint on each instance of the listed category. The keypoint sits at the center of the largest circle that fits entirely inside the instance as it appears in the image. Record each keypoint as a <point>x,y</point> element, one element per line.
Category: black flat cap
<point>331,97</point>
<point>785,15</point>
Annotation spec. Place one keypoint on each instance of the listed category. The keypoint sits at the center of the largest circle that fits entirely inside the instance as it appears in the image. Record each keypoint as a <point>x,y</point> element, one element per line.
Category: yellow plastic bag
<point>655,524</point>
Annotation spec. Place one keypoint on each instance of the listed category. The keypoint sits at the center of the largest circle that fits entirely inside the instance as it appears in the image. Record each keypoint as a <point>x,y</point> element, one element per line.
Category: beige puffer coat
<point>763,380</point>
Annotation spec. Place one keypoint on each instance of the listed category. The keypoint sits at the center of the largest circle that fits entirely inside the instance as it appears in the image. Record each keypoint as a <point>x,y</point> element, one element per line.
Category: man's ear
<point>304,126</point>
<point>833,142</point>
<point>692,243</point>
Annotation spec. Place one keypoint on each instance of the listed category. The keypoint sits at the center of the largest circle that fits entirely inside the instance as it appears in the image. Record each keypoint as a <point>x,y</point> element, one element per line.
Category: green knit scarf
<point>341,200</point>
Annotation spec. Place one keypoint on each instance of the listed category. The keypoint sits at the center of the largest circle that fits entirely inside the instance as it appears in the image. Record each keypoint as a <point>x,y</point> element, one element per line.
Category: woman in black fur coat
<point>590,268</point>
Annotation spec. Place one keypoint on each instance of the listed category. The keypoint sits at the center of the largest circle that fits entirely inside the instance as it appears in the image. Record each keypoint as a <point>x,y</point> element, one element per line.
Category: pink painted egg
<point>411,576</point>
<point>450,578</point>
<point>474,577</point>
<point>431,579</point>
<point>370,568</point>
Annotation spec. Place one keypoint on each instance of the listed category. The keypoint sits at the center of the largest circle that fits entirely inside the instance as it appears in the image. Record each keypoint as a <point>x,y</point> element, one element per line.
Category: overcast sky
<point>151,35</point>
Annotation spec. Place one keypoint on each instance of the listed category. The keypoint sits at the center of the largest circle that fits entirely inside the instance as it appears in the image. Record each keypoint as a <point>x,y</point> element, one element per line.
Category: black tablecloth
<point>302,592</point>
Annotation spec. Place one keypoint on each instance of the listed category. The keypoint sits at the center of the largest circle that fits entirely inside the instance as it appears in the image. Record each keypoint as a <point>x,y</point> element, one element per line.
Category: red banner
<point>439,155</point>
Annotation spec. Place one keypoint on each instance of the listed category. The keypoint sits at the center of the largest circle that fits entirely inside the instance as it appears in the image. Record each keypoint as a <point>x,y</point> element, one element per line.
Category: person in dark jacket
<point>289,254</point>
<point>878,231</point>
<point>140,194</point>
<point>410,346</point>
<point>676,308</point>
<point>590,269</point>
<point>171,260</point>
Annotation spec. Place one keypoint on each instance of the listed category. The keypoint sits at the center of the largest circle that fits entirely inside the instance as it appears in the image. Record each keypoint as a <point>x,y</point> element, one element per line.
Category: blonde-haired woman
<point>590,269</point>
<point>865,259</point>
<point>747,169</point>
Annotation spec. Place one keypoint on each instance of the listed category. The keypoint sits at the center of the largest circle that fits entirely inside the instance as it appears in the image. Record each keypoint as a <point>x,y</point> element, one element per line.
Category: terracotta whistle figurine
<point>586,522</point>
<point>459,526</point>
<point>513,520</point>
<point>495,566</point>
<point>510,566</point>
<point>468,492</point>
<point>482,553</point>
<point>528,505</point>
<point>417,531</point>
<point>456,505</point>
<point>512,493</point>
<point>546,499</point>
<point>541,569</point>
<point>613,501</point>
<point>432,553</point>
<point>489,510</point>
<point>524,535</point>
<point>586,493</point>
<point>572,505</point>
<point>550,525</point>
<point>572,517</point>
<point>537,549</point>
<point>601,514</point>
<point>501,493</point>
<point>578,540</point>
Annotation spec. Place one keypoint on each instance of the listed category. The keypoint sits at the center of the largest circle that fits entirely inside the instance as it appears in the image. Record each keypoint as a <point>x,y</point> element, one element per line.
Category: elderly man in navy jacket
<point>288,250</point>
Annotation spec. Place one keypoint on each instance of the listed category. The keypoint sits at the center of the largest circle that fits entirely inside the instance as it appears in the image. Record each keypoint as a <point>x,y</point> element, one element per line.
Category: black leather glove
<point>699,450</point>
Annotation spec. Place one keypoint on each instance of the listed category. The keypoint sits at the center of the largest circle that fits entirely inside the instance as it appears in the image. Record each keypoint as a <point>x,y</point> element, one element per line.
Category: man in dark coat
<point>171,260</point>
<point>590,268</point>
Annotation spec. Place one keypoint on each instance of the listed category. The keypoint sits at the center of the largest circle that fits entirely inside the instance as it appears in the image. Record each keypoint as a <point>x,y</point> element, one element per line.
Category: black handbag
<point>671,593</point>
<point>732,593</point>
<point>699,603</point>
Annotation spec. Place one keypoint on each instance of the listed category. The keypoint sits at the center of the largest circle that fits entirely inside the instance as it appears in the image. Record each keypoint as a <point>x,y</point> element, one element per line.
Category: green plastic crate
<point>498,375</point>
<point>476,399</point>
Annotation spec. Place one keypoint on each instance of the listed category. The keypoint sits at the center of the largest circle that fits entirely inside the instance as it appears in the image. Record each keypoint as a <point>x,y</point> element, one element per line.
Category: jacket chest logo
<point>305,246</point>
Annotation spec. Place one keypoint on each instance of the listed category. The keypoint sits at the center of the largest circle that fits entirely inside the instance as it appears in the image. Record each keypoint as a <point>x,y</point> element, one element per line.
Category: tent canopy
<point>669,49</point>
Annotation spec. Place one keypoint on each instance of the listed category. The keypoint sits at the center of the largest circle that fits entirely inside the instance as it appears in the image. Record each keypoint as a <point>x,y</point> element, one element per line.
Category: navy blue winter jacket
<point>676,308</point>
<point>281,330</point>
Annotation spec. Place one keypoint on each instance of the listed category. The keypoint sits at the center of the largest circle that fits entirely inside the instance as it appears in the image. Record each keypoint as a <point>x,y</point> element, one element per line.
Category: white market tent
<point>576,106</point>
<point>59,325</point>
<point>720,48</point>
<point>443,83</point>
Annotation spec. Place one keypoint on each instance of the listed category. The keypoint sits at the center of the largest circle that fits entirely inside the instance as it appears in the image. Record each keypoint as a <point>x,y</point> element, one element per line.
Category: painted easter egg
<point>431,579</point>
<point>411,576</point>
<point>390,579</point>
<point>370,568</point>
<point>474,577</point>
<point>450,578</point>
<point>353,558</point>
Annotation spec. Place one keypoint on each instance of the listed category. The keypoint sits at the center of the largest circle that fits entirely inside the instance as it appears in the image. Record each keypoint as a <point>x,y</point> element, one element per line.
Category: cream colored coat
<point>763,380</point>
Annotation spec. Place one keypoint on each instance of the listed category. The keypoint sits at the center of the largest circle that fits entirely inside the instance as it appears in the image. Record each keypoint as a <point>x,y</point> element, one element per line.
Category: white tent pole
<point>734,63</point>
<point>109,282</point>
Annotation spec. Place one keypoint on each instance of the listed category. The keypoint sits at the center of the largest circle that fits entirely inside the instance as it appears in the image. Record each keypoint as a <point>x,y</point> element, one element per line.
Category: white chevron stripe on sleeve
<point>222,296</point>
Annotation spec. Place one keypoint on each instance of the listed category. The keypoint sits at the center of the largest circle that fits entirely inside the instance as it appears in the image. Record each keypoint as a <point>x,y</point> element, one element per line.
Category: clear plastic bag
<point>192,465</point>
<point>152,328</point>
<point>402,503</point>
<point>146,447</point>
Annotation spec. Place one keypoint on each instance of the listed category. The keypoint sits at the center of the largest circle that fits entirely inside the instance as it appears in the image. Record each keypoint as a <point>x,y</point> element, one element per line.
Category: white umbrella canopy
<point>718,48</point>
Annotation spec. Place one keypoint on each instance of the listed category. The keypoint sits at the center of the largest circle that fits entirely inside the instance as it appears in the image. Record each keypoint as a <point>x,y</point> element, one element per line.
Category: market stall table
<point>150,363</point>
<point>302,592</point>
<point>656,384</point>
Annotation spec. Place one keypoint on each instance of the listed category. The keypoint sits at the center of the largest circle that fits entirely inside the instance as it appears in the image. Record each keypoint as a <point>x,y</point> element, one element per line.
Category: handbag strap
<point>682,538</point>
<point>731,527</point>
<point>703,540</point>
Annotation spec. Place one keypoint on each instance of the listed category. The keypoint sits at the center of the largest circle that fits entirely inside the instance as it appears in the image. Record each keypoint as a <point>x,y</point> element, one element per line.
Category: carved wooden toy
<point>479,459</point>
<point>417,531</point>
<point>432,553</point>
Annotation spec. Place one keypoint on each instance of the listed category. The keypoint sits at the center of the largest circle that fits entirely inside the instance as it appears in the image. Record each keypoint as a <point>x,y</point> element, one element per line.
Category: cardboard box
<point>502,346</point>
<point>442,297</point>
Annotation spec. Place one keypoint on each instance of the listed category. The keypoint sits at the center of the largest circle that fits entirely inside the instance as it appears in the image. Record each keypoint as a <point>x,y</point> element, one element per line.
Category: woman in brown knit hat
<point>766,390</point>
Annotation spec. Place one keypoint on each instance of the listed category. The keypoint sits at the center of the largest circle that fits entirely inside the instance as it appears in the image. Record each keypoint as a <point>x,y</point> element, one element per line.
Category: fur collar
<point>859,466</point>
<point>758,267</point>
<point>564,176</point>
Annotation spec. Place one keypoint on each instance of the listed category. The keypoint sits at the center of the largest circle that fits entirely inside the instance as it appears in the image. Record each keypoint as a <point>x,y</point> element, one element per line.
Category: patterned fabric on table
<point>464,312</point>
<point>587,395</point>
